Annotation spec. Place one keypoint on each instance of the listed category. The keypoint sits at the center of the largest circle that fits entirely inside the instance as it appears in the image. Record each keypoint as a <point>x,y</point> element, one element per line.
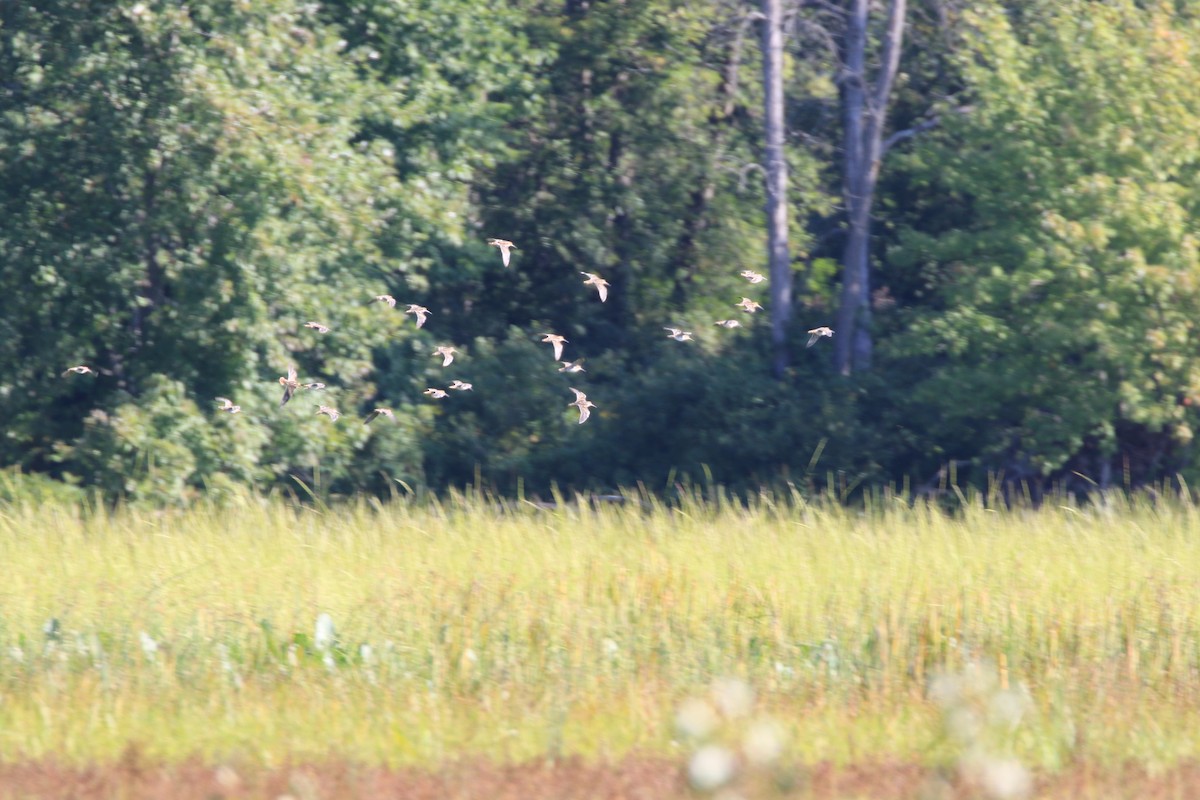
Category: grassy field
<point>464,630</point>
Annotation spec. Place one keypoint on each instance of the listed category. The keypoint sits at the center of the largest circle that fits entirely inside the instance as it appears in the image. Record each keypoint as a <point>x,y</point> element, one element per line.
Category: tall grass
<point>465,628</point>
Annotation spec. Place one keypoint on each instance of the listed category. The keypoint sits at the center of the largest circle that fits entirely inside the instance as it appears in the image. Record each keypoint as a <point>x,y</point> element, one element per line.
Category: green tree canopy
<point>182,189</point>
<point>1065,301</point>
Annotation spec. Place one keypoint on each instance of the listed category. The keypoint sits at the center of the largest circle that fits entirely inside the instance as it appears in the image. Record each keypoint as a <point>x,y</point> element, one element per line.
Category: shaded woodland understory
<point>993,204</point>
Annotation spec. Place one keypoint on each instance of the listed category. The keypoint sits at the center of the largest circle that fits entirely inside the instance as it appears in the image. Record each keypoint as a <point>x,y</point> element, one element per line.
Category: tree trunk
<point>864,109</point>
<point>853,346</point>
<point>778,260</point>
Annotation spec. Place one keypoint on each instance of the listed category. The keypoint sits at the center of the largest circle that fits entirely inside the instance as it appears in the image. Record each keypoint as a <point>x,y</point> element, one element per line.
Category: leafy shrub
<point>162,449</point>
<point>18,487</point>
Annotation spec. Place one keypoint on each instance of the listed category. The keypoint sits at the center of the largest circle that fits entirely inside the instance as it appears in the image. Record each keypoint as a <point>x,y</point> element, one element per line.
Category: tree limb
<point>823,5</point>
<point>908,133</point>
<point>890,61</point>
<point>919,128</point>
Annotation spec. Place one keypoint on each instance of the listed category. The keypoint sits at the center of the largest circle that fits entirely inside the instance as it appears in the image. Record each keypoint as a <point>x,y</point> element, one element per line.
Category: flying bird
<point>461,386</point>
<point>584,405</point>
<point>330,412</point>
<point>436,394</point>
<point>386,298</point>
<point>600,284</point>
<point>79,370</point>
<point>318,327</point>
<point>728,323</point>
<point>678,334</point>
<point>447,354</point>
<point>506,248</point>
<point>421,313</point>
<point>748,305</point>
<point>817,333</point>
<point>571,366</point>
<point>227,405</point>
<point>379,412</point>
<point>752,276</point>
<point>289,384</point>
<point>557,341</point>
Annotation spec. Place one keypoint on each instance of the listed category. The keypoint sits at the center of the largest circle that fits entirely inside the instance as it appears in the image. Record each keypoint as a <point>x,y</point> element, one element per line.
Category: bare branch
<point>822,5</point>
<point>919,128</point>
<point>745,171</point>
<point>825,36</point>
<point>908,133</point>
<point>890,61</point>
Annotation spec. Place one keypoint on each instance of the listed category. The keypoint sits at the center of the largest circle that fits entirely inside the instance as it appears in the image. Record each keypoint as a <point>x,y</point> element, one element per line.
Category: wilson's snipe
<point>817,333</point>
<point>421,313</point>
<point>600,284</point>
<point>379,412</point>
<point>506,248</point>
<point>557,341</point>
<point>289,384</point>
<point>678,334</point>
<point>584,405</point>
<point>227,405</point>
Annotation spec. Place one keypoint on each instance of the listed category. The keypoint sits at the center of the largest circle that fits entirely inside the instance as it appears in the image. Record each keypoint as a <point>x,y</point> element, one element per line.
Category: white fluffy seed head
<point>964,723</point>
<point>763,743</point>
<point>1005,779</point>
<point>711,767</point>
<point>733,697</point>
<point>946,690</point>
<point>227,778</point>
<point>1006,708</point>
<point>696,718</point>
<point>323,634</point>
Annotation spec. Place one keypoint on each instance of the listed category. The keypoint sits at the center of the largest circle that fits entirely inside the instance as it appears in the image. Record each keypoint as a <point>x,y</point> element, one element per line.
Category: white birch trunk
<point>778,260</point>
<point>864,110</point>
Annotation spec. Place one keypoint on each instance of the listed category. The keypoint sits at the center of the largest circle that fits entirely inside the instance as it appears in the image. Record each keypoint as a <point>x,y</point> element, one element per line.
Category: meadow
<point>417,632</point>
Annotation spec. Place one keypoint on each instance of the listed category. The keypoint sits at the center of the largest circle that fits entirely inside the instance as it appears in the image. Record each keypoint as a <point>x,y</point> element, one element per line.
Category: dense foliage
<point>183,187</point>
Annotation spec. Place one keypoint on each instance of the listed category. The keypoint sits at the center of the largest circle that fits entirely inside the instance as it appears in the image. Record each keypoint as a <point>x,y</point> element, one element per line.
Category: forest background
<point>182,186</point>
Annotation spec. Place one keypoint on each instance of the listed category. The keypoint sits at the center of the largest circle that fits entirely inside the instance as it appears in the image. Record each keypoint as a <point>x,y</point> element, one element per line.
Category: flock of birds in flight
<point>291,382</point>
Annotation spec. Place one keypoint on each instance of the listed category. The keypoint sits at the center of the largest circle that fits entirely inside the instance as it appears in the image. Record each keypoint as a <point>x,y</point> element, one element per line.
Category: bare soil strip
<point>634,778</point>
